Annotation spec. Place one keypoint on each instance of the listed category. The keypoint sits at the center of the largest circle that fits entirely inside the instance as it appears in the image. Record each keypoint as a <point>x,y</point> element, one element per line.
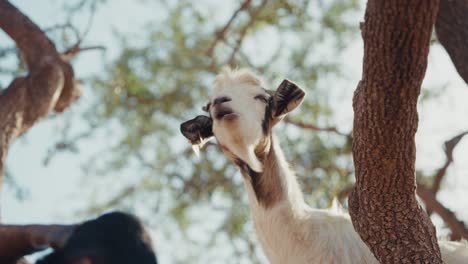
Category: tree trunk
<point>49,85</point>
<point>383,204</point>
<point>452,31</point>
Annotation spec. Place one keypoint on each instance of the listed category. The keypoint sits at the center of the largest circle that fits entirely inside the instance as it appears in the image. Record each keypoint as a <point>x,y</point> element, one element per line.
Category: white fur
<point>291,231</point>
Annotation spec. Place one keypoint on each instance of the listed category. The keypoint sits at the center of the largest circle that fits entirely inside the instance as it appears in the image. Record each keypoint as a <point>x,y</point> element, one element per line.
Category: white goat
<point>243,114</point>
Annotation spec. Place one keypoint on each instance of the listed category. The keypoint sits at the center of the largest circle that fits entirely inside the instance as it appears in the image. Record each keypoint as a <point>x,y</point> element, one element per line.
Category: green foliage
<point>163,76</point>
<point>151,88</point>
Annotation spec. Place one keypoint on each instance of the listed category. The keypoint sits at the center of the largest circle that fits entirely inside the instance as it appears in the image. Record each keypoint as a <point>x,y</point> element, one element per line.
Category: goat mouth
<point>225,114</point>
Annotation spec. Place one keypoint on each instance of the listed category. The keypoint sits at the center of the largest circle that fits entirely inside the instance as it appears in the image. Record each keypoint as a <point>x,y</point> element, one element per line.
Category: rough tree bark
<point>49,85</point>
<point>383,204</point>
<point>452,31</point>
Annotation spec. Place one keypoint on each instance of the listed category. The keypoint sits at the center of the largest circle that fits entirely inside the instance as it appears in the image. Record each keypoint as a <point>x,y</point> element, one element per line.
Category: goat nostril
<point>221,100</point>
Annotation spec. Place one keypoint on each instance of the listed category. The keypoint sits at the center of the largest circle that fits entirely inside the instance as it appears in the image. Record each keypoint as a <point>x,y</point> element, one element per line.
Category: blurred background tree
<point>149,89</point>
<point>160,75</point>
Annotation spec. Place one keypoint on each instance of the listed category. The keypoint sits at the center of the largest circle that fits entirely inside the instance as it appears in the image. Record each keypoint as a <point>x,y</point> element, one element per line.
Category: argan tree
<point>48,86</point>
<point>160,76</point>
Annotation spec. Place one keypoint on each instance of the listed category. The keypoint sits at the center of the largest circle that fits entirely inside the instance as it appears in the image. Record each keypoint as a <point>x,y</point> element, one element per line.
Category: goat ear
<point>198,129</point>
<point>287,97</point>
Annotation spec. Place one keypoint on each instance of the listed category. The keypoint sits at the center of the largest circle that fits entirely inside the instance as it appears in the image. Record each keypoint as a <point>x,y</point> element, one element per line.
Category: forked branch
<point>221,34</point>
<point>458,228</point>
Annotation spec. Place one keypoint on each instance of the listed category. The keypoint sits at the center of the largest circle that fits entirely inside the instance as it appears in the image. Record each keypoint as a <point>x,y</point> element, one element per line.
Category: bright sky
<point>54,191</point>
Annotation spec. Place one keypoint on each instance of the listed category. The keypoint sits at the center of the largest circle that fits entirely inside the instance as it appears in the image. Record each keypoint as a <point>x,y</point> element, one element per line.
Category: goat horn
<point>20,240</point>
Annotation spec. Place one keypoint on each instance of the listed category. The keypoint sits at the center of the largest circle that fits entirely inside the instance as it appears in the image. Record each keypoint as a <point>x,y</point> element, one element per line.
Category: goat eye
<point>261,97</point>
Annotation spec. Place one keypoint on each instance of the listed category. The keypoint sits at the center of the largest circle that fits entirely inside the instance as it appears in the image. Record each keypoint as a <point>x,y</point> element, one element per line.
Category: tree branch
<point>313,127</point>
<point>24,32</point>
<point>49,85</point>
<point>243,32</point>
<point>76,48</point>
<point>452,31</point>
<point>458,228</point>
<point>73,51</point>
<point>20,240</point>
<point>221,34</point>
<point>449,146</point>
<point>63,28</point>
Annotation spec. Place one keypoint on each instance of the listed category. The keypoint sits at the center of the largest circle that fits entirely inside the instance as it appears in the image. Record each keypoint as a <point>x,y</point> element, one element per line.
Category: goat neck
<point>276,185</point>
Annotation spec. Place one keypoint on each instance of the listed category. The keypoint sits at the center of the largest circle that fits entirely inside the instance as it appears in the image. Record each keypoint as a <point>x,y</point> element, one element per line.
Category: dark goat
<point>113,238</point>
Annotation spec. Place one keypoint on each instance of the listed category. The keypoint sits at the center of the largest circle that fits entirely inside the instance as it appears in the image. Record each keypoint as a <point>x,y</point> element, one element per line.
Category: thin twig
<point>77,6</point>
<point>63,27</point>
<point>314,127</point>
<point>221,34</point>
<point>67,144</point>
<point>73,51</point>
<point>76,48</point>
<point>89,22</point>
<point>457,227</point>
<point>243,32</point>
<point>449,146</point>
